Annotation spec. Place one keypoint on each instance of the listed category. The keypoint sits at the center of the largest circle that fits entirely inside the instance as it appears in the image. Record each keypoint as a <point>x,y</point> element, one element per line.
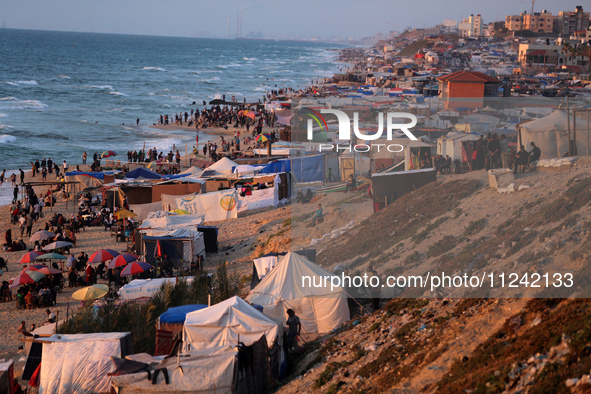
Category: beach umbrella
<point>28,257</point>
<point>135,267</point>
<point>57,245</point>
<point>41,235</point>
<point>50,256</point>
<point>263,138</point>
<point>108,153</point>
<point>179,211</point>
<point>103,255</point>
<point>34,267</point>
<point>91,292</point>
<point>122,260</point>
<point>26,277</point>
<point>45,270</point>
<point>124,213</point>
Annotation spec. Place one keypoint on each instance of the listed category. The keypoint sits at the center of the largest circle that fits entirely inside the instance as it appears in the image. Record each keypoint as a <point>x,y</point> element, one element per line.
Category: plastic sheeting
<point>227,323</point>
<point>265,264</point>
<point>320,309</point>
<point>79,363</point>
<point>178,314</point>
<point>216,206</point>
<point>181,245</point>
<point>142,173</point>
<point>199,372</point>
<point>259,199</point>
<point>169,201</point>
<point>223,166</point>
<point>174,221</point>
<point>308,169</point>
<point>143,210</point>
<point>145,288</point>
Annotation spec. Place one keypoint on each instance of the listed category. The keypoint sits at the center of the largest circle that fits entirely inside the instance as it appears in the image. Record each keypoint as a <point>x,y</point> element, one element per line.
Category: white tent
<point>550,134</point>
<point>451,144</point>
<point>265,264</point>
<point>145,288</point>
<point>169,201</point>
<point>143,211</point>
<point>227,323</point>
<point>174,221</point>
<point>79,363</point>
<point>223,166</point>
<point>203,371</point>
<point>216,206</point>
<point>320,309</point>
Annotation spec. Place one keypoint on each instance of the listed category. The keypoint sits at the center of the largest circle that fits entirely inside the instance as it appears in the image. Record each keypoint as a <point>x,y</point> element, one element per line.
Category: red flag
<point>158,251</point>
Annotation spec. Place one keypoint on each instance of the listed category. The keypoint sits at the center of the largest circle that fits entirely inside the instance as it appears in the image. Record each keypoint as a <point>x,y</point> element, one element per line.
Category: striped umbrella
<point>263,138</point>
<point>26,277</point>
<point>103,255</point>
<point>122,260</point>
<point>136,267</point>
<point>41,235</point>
<point>44,270</point>
<point>29,257</point>
<point>108,153</point>
<point>51,256</point>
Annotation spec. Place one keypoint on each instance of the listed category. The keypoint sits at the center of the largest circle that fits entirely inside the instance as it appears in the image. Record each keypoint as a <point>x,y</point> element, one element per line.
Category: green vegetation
<point>474,226</point>
<point>445,244</point>
<point>140,319</point>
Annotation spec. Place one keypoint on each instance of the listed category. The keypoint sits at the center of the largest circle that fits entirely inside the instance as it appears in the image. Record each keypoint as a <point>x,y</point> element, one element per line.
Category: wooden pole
<point>575,131</point>
<point>568,127</point>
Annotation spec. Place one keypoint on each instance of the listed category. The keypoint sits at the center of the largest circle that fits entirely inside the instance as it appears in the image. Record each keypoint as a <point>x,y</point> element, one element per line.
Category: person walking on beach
<point>29,224</point>
<point>21,224</point>
<point>44,173</point>
<point>22,175</point>
<point>65,165</point>
<point>15,194</point>
<point>2,176</point>
<point>84,156</point>
<point>13,179</point>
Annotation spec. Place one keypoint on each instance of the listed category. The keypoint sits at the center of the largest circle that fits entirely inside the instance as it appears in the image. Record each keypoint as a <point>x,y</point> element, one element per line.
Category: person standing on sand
<point>22,175</point>
<point>84,156</point>
<point>13,179</point>
<point>2,177</point>
<point>15,194</point>
<point>21,224</point>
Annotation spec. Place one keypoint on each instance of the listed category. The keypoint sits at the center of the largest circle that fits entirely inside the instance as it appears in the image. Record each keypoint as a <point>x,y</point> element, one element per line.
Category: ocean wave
<point>210,80</point>
<point>250,58</point>
<point>153,68</point>
<point>63,77</point>
<point>151,94</point>
<point>118,93</point>
<point>108,87</point>
<point>3,115</point>
<point>32,82</point>
<point>52,136</point>
<point>259,89</point>
<point>4,126</point>
<point>14,103</point>
<point>5,138</point>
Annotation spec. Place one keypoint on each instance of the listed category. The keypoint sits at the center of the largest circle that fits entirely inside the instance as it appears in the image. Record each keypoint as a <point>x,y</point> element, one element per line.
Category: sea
<point>62,93</point>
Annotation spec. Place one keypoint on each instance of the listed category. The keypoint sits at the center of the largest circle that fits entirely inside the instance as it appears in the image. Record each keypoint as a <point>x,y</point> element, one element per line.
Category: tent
<point>181,245</point>
<point>146,288</point>
<point>6,376</point>
<point>178,314</point>
<point>224,166</point>
<point>211,371</point>
<point>320,309</point>
<point>451,144</point>
<point>79,363</point>
<point>262,266</point>
<point>550,134</point>
<point>142,173</point>
<point>173,221</point>
<point>227,323</point>
<point>168,201</point>
<point>143,210</point>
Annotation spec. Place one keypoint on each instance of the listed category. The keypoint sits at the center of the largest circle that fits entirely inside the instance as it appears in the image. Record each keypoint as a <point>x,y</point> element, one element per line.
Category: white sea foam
<point>250,58</point>
<point>118,93</point>
<point>108,87</point>
<point>27,82</point>
<point>3,115</point>
<point>210,80</point>
<point>63,77</point>
<point>154,68</point>
<point>14,103</point>
<point>5,138</point>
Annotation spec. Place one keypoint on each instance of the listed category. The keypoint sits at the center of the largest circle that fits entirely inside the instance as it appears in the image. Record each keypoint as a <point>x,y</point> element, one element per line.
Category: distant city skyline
<point>260,18</point>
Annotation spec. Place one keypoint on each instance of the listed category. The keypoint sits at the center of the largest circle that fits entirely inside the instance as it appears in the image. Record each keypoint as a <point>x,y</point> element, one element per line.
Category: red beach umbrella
<point>122,260</point>
<point>29,257</point>
<point>136,267</point>
<point>103,255</point>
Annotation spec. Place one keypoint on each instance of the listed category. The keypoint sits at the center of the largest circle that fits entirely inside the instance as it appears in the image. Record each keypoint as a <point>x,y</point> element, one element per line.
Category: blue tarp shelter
<point>142,172</point>
<point>177,314</point>
<point>305,168</point>
<point>97,175</point>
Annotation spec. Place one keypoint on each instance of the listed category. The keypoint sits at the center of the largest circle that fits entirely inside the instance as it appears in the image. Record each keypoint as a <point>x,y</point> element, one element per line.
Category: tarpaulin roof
<point>178,314</point>
<point>142,172</point>
<point>98,175</point>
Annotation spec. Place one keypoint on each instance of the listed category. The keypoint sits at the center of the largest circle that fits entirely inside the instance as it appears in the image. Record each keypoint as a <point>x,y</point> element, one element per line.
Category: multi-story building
<point>472,26</point>
<point>538,22</point>
<point>571,21</point>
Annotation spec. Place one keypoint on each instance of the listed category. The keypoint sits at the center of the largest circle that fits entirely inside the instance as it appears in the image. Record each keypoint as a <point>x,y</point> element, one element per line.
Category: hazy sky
<point>318,18</point>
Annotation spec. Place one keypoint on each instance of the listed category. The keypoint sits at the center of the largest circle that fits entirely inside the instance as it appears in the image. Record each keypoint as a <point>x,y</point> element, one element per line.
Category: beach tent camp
<point>146,288</point>
<point>227,323</point>
<point>181,245</point>
<point>142,173</point>
<point>451,144</point>
<point>320,309</point>
<point>550,134</point>
<point>169,327</point>
<point>80,363</point>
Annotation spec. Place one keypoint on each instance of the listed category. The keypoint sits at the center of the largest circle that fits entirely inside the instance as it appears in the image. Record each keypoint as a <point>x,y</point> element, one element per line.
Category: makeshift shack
<point>80,363</point>
<point>182,246</point>
<point>320,309</point>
